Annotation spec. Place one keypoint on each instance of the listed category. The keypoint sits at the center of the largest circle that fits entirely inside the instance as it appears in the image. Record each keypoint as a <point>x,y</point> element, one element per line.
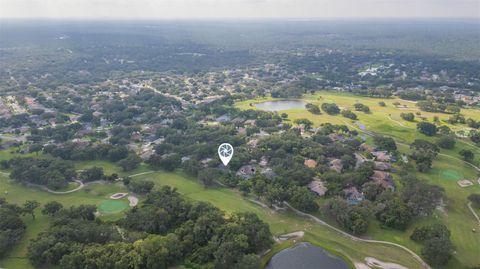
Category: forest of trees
<point>54,173</point>
<point>164,231</point>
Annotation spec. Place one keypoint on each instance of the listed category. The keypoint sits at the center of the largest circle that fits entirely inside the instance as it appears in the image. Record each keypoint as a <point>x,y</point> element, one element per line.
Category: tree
<point>130,163</point>
<point>446,142</point>
<point>208,176</point>
<point>330,109</point>
<point>421,198</point>
<point>52,172</point>
<point>302,199</point>
<point>117,153</point>
<point>407,116</point>
<point>249,261</point>
<point>305,122</point>
<point>385,143</point>
<point>349,114</point>
<point>353,218</point>
<point>92,174</point>
<point>444,130</point>
<point>467,155</point>
<point>475,199</point>
<point>371,190</point>
<point>51,208</point>
<point>168,163</point>
<point>474,136</point>
<point>427,128</point>
<point>29,207</point>
<point>361,107</point>
<point>424,153</point>
<point>395,214</point>
<point>312,108</point>
<point>11,226</point>
<point>438,248</point>
<point>438,251</point>
<point>141,186</point>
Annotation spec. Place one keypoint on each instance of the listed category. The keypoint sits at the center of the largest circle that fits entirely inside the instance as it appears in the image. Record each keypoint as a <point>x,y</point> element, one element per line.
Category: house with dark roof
<point>352,195</point>
<point>382,166</point>
<point>246,171</point>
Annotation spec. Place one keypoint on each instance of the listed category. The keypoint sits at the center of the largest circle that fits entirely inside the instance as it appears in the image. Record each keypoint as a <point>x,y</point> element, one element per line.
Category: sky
<point>221,9</point>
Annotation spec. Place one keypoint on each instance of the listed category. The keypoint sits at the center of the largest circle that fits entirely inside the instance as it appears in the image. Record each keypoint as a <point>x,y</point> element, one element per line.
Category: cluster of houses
<point>381,175</point>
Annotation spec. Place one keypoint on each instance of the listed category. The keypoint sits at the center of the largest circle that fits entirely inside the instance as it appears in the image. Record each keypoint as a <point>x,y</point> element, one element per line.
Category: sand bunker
<point>133,200</point>
<point>464,183</point>
<point>118,195</point>
<point>294,235</point>
<point>374,263</point>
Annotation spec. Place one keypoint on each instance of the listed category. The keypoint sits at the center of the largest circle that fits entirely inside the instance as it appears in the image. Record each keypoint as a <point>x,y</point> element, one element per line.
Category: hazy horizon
<point>237,9</point>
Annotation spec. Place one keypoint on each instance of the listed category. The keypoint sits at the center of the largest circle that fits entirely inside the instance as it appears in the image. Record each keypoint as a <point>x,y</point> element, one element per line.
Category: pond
<point>280,105</point>
<point>305,256</point>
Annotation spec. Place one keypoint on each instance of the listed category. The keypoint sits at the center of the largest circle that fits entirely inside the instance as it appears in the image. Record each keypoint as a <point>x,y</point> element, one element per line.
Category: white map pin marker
<point>225,152</point>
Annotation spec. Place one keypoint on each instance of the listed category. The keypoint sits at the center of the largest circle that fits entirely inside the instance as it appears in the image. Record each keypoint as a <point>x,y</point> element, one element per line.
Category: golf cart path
<point>354,238</point>
<point>406,145</point>
<point>473,212</point>
<point>80,186</point>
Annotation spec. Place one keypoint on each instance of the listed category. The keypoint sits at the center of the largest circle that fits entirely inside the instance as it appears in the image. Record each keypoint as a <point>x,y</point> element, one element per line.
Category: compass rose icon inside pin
<point>225,152</point>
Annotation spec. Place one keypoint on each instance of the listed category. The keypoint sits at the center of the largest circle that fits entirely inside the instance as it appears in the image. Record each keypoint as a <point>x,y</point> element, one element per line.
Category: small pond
<point>280,105</point>
<point>305,256</point>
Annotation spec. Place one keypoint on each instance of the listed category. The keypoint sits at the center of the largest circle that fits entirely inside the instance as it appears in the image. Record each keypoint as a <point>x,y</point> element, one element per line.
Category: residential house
<point>382,166</point>
<point>383,156</point>
<point>317,187</point>
<point>336,165</point>
<point>384,179</point>
<point>366,147</point>
<point>310,163</point>
<point>336,137</point>
<point>246,171</point>
<point>352,195</point>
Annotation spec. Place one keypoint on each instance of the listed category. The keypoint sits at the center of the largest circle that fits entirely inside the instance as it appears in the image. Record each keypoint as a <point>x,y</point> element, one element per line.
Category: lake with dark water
<point>280,105</point>
<point>306,256</point>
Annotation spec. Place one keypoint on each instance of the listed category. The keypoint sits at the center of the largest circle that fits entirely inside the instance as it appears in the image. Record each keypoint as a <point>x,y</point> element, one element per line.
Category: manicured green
<point>451,174</point>
<point>112,206</point>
